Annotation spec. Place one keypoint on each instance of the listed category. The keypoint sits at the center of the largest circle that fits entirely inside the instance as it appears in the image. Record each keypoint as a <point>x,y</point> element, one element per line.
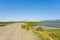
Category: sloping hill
<point>51,21</point>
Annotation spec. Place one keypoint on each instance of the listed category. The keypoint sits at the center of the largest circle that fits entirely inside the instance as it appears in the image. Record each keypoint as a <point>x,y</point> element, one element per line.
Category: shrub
<point>23,26</point>
<point>27,28</point>
<point>39,29</point>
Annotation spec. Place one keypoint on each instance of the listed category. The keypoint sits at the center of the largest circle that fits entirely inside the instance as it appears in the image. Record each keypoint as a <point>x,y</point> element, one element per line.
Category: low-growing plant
<point>39,29</point>
<point>23,26</point>
<point>39,35</point>
<point>53,36</point>
<point>27,28</point>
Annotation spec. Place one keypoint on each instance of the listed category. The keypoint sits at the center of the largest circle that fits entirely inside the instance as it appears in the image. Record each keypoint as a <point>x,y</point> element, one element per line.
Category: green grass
<point>35,32</point>
<point>40,23</point>
<point>54,33</point>
<point>5,23</point>
<point>25,27</point>
<point>40,36</point>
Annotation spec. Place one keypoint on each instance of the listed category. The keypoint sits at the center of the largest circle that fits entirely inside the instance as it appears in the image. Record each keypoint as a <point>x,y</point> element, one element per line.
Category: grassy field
<point>54,33</point>
<point>5,23</point>
<point>40,23</point>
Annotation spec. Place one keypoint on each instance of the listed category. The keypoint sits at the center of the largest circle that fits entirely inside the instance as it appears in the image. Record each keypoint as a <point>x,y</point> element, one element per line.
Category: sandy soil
<point>15,32</point>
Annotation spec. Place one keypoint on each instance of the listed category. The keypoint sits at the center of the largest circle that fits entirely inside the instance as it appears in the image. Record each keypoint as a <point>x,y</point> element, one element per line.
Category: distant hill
<point>51,21</point>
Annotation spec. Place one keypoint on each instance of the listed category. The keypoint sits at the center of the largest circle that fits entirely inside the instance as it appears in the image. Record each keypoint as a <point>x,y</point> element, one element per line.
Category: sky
<point>31,10</point>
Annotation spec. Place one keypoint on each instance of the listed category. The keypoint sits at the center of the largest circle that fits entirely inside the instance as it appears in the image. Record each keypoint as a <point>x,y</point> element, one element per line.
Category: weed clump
<point>27,28</point>
<point>23,26</point>
<point>39,29</point>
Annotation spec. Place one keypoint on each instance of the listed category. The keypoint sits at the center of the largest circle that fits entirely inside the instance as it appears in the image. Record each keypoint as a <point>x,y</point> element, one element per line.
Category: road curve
<point>15,32</point>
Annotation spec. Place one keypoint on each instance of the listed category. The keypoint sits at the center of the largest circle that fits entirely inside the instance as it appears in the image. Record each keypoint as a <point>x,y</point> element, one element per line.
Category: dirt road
<point>15,32</point>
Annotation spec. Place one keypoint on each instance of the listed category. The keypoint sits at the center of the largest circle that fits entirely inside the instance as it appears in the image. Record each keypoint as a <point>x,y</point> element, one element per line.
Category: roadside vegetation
<point>43,34</point>
<point>54,33</point>
<point>5,23</point>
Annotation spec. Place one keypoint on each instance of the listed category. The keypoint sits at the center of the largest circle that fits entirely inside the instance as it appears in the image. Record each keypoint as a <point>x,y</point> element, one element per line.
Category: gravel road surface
<point>15,32</point>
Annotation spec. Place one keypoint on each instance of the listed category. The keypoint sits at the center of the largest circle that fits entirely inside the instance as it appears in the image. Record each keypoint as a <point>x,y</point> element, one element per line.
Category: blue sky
<point>32,10</point>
